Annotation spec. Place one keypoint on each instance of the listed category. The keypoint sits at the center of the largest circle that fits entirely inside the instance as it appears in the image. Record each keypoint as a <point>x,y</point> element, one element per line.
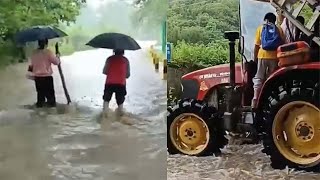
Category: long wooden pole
<point>62,77</point>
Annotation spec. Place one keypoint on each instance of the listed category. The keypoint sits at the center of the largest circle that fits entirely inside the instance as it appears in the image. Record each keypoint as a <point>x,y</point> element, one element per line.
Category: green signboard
<point>164,37</point>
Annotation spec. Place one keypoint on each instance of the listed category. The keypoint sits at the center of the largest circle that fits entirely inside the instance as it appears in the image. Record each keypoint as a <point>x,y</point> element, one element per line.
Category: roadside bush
<point>197,56</point>
<point>9,53</point>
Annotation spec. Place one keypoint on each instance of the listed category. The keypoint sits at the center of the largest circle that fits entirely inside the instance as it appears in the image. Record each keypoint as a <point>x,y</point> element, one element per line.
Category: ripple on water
<point>77,143</point>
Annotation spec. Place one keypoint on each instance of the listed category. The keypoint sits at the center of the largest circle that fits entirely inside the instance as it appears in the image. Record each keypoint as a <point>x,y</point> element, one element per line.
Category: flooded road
<point>75,142</point>
<point>245,162</point>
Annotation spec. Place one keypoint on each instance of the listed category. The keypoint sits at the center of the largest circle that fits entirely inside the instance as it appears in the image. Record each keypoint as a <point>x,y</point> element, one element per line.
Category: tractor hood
<point>215,72</point>
<point>198,83</point>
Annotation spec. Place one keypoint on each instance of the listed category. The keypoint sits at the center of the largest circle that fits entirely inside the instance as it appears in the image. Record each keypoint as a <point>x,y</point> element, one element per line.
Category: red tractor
<point>217,100</point>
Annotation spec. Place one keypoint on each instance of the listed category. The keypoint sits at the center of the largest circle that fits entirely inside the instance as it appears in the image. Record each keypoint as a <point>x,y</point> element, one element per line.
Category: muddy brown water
<point>75,142</point>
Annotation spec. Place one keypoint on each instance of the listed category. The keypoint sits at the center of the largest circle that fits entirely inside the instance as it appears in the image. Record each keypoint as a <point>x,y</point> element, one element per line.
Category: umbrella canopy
<point>114,41</point>
<point>38,33</point>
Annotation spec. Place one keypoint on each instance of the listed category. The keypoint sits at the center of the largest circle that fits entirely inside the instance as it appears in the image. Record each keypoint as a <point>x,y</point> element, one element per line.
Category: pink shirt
<point>41,61</point>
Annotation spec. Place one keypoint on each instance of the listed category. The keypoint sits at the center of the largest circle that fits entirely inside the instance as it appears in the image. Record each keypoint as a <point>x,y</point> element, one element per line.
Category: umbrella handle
<point>62,77</point>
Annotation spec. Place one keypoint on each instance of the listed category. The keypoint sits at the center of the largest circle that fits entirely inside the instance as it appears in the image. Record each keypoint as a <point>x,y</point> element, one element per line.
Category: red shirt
<point>117,69</point>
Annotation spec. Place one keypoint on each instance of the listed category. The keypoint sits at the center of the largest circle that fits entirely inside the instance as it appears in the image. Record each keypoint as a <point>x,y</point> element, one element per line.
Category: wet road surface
<point>245,162</point>
<point>75,142</point>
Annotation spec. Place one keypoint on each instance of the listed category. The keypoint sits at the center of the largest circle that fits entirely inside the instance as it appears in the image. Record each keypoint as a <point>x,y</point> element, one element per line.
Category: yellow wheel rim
<point>189,133</point>
<point>296,132</point>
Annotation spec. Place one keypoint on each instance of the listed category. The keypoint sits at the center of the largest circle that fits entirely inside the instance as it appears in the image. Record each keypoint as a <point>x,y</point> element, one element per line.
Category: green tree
<point>149,17</point>
<point>201,21</point>
<point>196,29</point>
<point>152,12</point>
<point>19,14</point>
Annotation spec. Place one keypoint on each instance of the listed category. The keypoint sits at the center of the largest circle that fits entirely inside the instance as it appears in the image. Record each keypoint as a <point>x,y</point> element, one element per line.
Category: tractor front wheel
<point>193,129</point>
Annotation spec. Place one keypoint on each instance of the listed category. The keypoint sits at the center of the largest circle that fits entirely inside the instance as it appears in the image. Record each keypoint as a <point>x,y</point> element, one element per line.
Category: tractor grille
<point>190,89</point>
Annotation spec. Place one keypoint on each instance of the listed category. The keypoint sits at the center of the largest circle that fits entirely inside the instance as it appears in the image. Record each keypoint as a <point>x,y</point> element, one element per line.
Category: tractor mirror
<point>241,45</point>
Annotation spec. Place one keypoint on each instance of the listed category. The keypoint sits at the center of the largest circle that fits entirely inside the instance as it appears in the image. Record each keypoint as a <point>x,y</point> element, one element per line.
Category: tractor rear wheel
<point>292,120</point>
<point>194,129</point>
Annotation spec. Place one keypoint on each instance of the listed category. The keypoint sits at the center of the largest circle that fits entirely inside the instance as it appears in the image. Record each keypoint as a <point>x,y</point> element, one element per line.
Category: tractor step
<point>245,127</point>
<point>241,116</point>
<point>246,109</point>
<point>245,134</point>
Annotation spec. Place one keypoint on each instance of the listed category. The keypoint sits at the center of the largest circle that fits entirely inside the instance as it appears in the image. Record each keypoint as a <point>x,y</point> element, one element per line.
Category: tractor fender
<point>285,72</point>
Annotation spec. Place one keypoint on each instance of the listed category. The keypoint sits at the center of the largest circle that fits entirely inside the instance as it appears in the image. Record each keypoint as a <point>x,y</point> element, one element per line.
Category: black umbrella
<point>38,33</point>
<point>114,41</point>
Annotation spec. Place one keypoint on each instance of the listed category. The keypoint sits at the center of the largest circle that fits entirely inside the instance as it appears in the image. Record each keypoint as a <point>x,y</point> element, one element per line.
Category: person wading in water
<point>117,69</point>
<point>40,68</point>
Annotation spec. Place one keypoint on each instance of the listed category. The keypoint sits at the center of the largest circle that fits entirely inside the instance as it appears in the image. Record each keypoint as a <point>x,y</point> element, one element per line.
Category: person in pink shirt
<point>41,60</point>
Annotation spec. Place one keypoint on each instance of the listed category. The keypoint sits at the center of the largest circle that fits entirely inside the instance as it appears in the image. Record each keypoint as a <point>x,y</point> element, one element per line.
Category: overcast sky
<point>97,3</point>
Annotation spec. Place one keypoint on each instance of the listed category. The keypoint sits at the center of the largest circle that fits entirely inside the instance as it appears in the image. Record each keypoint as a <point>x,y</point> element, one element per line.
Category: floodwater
<point>75,142</point>
<point>237,162</point>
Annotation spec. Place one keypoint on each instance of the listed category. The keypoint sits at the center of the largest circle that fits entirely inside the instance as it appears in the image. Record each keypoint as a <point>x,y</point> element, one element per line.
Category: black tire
<point>287,91</point>
<point>212,118</point>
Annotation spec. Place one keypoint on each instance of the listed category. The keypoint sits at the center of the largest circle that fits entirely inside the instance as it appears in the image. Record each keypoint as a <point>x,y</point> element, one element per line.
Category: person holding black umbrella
<point>117,69</point>
<point>41,60</point>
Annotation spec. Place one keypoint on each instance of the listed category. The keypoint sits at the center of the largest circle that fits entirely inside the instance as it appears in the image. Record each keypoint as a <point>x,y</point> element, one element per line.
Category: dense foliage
<point>196,30</point>
<point>80,19</point>
<point>16,15</point>
<point>201,21</point>
<point>197,56</point>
